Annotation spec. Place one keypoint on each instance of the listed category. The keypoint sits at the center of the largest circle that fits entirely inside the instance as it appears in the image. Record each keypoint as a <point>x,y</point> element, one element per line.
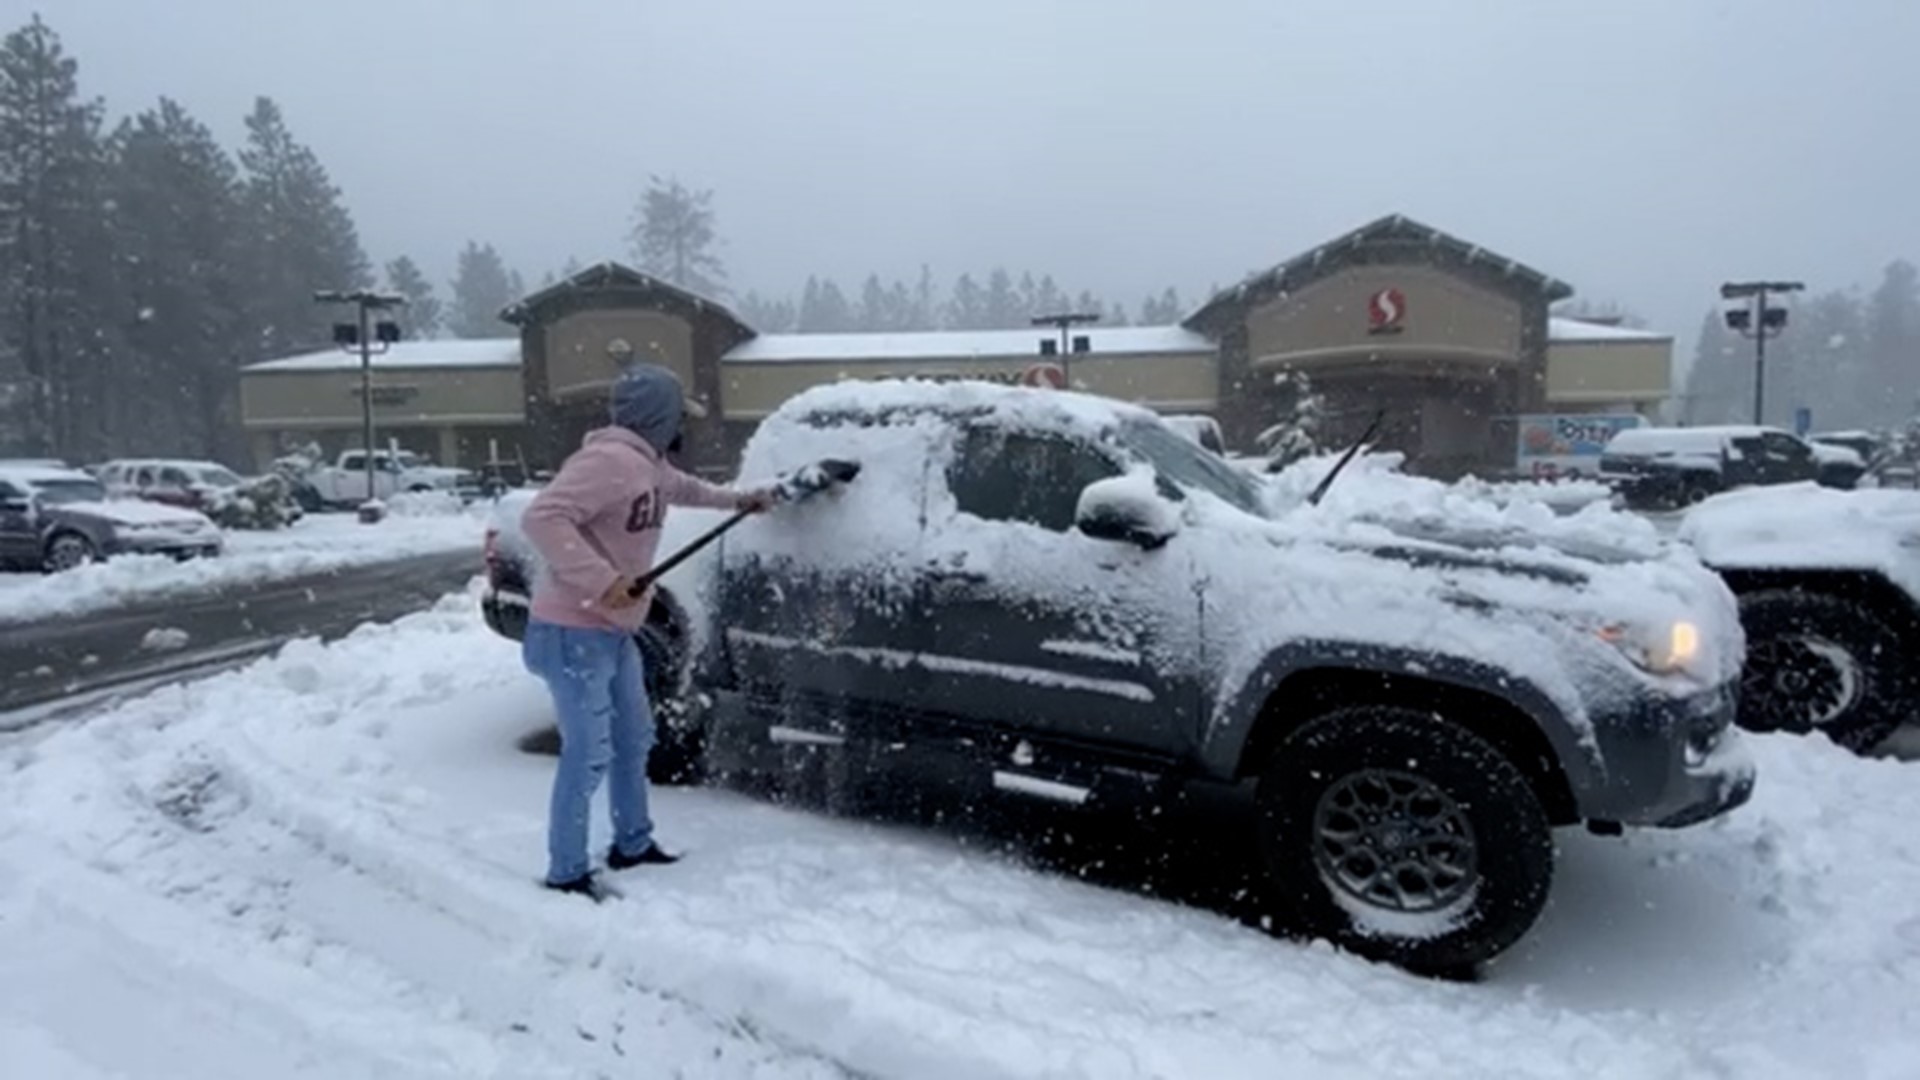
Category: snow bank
<point>316,543</point>
<point>330,858</point>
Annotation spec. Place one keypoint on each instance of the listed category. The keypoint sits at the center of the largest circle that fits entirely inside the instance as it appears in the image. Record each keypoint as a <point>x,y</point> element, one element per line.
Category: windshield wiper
<point>1319,492</point>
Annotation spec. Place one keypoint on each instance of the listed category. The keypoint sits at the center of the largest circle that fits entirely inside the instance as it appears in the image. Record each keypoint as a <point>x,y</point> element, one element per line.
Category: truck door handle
<point>956,577</point>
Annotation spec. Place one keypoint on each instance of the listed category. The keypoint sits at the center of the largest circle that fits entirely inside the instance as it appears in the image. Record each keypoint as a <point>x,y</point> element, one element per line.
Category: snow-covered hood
<point>137,512</point>
<point>1807,525</point>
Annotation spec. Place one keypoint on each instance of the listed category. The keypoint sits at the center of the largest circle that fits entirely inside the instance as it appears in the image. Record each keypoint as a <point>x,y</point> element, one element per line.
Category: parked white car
<point>57,519</point>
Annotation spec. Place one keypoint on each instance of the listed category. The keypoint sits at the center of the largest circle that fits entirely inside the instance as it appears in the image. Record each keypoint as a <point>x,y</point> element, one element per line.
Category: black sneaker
<point>585,885</point>
<point>653,856</point>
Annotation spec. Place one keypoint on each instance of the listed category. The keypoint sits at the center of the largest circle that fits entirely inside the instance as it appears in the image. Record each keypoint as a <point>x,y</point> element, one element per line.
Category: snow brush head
<point>817,477</point>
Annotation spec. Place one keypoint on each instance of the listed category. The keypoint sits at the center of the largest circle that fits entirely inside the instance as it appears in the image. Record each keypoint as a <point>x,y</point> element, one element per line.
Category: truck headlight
<point>1661,649</point>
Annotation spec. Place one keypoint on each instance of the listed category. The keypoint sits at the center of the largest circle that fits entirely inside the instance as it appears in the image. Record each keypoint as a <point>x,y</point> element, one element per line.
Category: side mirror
<point>1128,509</point>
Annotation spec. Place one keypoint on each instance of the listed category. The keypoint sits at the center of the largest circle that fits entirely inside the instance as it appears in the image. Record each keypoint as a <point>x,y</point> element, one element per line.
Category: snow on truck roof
<point>1041,407</point>
<point>1693,440</point>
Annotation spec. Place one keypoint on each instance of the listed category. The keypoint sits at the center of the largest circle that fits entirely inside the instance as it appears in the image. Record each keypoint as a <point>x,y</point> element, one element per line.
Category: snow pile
<point>330,859</point>
<point>1806,525</point>
<point>317,543</point>
<point>426,504</point>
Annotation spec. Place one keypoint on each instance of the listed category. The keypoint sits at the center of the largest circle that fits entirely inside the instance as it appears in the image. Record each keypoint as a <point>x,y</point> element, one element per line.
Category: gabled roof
<point>614,277</point>
<point>1394,228</point>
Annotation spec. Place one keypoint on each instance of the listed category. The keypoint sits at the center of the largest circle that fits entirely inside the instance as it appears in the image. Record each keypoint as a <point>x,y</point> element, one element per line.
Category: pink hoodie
<point>599,521</point>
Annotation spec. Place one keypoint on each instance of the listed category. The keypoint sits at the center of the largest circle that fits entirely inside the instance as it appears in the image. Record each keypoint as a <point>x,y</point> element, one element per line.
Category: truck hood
<point>1807,526</point>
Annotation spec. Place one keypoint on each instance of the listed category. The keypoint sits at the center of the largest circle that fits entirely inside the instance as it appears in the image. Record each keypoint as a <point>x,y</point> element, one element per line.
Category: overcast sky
<point>1643,150</point>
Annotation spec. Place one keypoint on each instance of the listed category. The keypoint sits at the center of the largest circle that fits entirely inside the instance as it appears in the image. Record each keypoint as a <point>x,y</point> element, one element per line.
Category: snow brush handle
<point>808,481</point>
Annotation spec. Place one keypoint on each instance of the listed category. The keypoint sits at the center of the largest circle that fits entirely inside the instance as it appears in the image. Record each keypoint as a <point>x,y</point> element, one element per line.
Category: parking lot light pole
<point>1066,321</point>
<point>1758,322</point>
<point>362,334</point>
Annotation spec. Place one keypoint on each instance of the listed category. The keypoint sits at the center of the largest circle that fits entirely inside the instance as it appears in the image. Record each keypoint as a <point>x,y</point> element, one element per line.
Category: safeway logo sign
<point>1385,311</point>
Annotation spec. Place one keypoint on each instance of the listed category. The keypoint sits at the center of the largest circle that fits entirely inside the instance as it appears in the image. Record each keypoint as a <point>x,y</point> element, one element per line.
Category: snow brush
<point>794,487</point>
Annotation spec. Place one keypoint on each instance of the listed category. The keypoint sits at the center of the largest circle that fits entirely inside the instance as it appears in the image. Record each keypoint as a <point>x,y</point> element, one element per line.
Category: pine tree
<point>302,236</point>
<point>56,261</point>
<point>1893,330</point>
<point>420,319</point>
<point>824,309</point>
<point>1302,414</point>
<point>673,237</point>
<point>1003,311</point>
<point>767,315</point>
<point>926,306</point>
<point>1718,387</point>
<point>967,310</point>
<point>177,216</point>
<point>482,288</point>
<point>1027,298</point>
<point>876,307</point>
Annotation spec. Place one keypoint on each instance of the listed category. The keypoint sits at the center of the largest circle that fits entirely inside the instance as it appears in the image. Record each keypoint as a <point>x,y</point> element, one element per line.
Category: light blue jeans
<point>605,721</point>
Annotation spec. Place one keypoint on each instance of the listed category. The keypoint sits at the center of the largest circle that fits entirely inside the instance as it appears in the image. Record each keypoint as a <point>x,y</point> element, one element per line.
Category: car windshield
<point>1179,460</point>
<point>218,477</point>
<point>57,492</point>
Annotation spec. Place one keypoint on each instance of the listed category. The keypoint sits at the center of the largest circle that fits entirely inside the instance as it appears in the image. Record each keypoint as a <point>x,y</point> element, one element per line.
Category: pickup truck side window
<point>353,461</point>
<point>173,478</point>
<point>1786,448</point>
<point>1007,476</point>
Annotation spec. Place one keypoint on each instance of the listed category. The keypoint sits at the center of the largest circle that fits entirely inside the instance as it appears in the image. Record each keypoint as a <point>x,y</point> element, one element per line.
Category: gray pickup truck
<point>1031,594</point>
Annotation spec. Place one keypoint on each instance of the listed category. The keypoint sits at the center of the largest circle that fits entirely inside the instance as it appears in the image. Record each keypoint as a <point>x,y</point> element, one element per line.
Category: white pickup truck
<point>344,483</point>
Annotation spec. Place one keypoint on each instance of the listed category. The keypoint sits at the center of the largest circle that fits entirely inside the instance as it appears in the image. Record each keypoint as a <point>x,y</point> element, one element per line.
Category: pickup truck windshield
<point>1181,462</point>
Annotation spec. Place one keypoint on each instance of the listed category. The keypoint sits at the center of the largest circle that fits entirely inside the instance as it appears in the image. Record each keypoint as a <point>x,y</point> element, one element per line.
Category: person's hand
<point>618,596</point>
<point>754,502</point>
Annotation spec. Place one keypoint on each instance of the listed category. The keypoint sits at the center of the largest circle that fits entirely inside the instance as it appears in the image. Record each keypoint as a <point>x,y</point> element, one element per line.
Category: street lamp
<point>1759,322</point>
<point>1066,321</point>
<point>362,334</point>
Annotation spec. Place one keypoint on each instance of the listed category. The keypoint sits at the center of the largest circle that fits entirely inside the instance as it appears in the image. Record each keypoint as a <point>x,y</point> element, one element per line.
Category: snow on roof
<point>1694,440</point>
<point>1042,407</point>
<point>41,474</point>
<point>963,344</point>
<point>477,353</point>
<point>1564,329</point>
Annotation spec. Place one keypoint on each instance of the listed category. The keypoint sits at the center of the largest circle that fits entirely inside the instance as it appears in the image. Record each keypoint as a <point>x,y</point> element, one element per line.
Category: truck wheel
<point>1401,837</point>
<point>1695,492</point>
<point>678,750</point>
<point>1818,663</point>
<point>68,550</point>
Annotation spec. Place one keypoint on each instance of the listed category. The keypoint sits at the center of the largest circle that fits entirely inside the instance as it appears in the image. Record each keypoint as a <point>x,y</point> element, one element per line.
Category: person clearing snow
<point>596,527</point>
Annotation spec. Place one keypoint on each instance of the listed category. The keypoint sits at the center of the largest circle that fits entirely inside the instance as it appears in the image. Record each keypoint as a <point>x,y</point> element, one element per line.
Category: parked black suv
<point>1669,467</point>
<point>1035,594</point>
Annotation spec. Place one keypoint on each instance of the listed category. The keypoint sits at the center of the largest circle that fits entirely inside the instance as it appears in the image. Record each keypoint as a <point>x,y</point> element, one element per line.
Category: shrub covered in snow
<point>261,503</point>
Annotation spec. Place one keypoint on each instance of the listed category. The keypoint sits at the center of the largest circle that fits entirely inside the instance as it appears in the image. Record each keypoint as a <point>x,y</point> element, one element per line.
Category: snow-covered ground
<point>325,864</point>
<point>316,543</point>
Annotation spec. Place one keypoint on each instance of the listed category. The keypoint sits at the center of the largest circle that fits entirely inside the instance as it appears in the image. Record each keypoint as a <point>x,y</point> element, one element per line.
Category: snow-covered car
<point>1667,467</point>
<point>231,500</point>
<point>57,519</point>
<point>1829,590</point>
<point>1046,595</point>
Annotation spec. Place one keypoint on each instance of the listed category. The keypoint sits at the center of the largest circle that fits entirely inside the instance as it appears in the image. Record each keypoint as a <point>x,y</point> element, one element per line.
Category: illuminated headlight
<point>1655,648</point>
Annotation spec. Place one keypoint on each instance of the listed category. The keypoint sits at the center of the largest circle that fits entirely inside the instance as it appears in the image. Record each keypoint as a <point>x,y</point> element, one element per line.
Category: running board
<point>1039,788</point>
<point>793,736</point>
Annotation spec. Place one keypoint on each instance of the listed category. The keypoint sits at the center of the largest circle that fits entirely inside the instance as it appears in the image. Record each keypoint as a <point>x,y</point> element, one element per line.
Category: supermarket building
<point>1454,342</point>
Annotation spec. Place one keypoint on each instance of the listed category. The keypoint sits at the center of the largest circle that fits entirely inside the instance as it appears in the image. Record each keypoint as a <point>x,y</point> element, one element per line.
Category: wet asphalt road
<point>49,660</point>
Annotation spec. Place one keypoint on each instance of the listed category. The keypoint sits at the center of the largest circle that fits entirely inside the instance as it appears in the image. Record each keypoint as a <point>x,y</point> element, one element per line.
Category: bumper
<point>1671,762</point>
<point>176,545</point>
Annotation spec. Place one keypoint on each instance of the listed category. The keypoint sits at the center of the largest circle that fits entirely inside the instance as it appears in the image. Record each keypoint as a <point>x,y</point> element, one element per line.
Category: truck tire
<point>1816,662</point>
<point>679,750</point>
<point>1401,837</point>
